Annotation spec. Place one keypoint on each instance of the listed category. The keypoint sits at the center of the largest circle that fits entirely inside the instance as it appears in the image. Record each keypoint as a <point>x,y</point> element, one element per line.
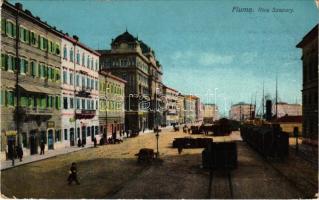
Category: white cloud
<point>212,58</point>
<point>201,58</point>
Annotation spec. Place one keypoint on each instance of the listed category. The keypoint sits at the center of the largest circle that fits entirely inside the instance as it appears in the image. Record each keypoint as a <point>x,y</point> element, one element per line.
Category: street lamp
<point>156,130</point>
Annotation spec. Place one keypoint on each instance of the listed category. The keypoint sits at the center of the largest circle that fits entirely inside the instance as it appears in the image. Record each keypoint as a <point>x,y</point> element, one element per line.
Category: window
<point>77,80</point>
<point>33,67</point>
<point>71,133</point>
<point>33,39</point>
<point>83,82</point>
<point>57,49</point>
<point>78,58</point>
<point>3,25</point>
<point>65,53</point>
<point>65,134</point>
<point>65,102</point>
<point>77,103</point>
<point>23,66</point>
<point>96,85</point>
<point>57,74</point>
<point>10,98</point>
<point>71,54</point>
<point>71,102</point>
<point>83,59</point>
<point>92,63</point>
<point>43,43</point>
<point>88,131</point>
<point>65,75</point>
<point>10,29</point>
<point>57,135</point>
<point>57,102</point>
<point>83,104</point>
<point>88,62</point>
<point>71,78</point>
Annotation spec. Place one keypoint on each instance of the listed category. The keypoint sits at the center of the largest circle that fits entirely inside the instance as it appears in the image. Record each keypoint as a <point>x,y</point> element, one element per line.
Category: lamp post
<point>157,137</point>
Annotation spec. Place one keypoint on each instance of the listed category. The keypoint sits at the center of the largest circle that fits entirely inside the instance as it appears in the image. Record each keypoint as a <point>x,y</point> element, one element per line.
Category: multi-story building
<point>80,80</point>
<point>30,81</point>
<point>284,109</point>
<point>134,61</point>
<point>211,113</point>
<point>190,108</point>
<point>112,102</point>
<point>309,46</point>
<point>170,114</point>
<point>181,108</point>
<point>242,111</point>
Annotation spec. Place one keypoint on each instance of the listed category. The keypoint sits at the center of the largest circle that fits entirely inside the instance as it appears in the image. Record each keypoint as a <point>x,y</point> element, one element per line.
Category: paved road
<point>182,177</point>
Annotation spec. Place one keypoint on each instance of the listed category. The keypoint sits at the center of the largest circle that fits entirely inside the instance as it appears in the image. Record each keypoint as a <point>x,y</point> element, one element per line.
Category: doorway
<point>33,142</point>
<point>50,139</point>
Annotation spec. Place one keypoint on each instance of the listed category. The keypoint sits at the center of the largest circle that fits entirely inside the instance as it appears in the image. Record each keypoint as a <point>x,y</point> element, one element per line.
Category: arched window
<point>65,53</point>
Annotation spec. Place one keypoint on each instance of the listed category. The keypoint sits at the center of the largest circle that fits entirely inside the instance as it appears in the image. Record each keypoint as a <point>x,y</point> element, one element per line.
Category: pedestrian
<point>73,174</point>
<point>12,153</point>
<point>19,152</point>
<point>180,149</point>
<point>79,142</point>
<point>42,146</point>
<point>94,141</point>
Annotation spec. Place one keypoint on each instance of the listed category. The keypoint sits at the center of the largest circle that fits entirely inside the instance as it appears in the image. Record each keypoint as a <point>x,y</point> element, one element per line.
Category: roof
<point>287,118</point>
<point>65,36</point>
<point>165,86</point>
<point>109,74</point>
<point>28,14</point>
<point>311,35</point>
<point>124,37</point>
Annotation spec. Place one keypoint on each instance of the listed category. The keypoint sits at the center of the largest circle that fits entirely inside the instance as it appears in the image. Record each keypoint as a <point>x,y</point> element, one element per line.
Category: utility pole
<point>263,101</point>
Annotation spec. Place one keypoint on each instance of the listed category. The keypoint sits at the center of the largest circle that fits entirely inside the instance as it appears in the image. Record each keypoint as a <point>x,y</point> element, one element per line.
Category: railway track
<point>226,176</point>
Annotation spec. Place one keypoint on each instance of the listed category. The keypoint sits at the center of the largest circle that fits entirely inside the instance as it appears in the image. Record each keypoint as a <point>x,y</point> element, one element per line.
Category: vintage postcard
<point>159,99</point>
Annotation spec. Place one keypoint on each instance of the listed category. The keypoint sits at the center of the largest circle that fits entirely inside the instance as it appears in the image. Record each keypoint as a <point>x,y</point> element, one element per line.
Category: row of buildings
<point>56,90</point>
<point>245,111</point>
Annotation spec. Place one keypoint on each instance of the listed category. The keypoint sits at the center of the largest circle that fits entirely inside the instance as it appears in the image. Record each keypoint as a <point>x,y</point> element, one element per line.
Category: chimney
<point>76,37</point>
<point>19,6</point>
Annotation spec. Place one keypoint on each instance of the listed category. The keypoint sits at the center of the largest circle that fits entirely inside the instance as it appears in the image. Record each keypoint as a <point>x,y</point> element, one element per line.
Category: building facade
<point>112,104</point>
<point>170,113</point>
<point>181,108</point>
<point>242,111</point>
<point>135,62</point>
<point>190,108</point>
<point>30,81</point>
<point>79,83</point>
<point>309,46</point>
<point>284,109</point>
<point>211,113</point>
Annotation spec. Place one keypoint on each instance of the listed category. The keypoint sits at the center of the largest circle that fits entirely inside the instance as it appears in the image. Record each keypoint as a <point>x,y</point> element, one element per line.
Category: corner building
<point>30,81</point>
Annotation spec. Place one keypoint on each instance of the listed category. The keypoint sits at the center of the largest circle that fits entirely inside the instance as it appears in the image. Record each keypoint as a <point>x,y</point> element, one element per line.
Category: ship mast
<point>263,101</point>
<point>276,95</point>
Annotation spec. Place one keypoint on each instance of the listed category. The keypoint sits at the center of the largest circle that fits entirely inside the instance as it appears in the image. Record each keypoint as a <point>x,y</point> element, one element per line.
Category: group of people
<point>15,152</point>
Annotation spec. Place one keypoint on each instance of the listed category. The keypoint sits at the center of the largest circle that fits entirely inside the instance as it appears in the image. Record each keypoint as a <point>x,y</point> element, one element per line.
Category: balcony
<point>84,92</point>
<point>37,111</point>
<point>84,114</point>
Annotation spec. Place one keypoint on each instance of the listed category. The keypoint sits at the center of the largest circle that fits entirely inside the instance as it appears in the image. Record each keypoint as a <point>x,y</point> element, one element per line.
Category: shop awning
<point>37,89</point>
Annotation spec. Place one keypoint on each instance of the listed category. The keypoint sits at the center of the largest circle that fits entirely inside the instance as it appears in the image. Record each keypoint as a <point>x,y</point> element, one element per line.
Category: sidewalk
<point>48,154</point>
<point>52,153</point>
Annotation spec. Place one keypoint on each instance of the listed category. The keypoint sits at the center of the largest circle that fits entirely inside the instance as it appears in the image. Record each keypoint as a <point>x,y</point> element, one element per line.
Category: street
<point>111,171</point>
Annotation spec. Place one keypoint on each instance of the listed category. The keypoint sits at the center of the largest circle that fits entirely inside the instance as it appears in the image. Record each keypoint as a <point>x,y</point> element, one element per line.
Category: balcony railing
<point>84,92</point>
<point>84,114</point>
<point>37,111</point>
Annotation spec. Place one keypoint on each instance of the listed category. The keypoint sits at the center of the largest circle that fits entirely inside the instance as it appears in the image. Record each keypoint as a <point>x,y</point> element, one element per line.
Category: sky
<point>207,47</point>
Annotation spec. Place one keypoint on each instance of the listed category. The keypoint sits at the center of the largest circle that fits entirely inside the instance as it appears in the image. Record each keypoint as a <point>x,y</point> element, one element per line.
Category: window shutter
<point>3,61</point>
<point>3,25</point>
<point>21,33</point>
<point>14,30</point>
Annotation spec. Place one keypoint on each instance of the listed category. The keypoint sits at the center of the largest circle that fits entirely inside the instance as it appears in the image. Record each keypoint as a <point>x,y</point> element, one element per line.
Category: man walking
<point>42,146</point>
<point>19,152</point>
<point>73,174</point>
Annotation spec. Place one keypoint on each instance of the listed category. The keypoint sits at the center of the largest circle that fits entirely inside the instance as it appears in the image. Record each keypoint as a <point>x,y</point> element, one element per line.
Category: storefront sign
<point>50,124</point>
<point>11,133</point>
